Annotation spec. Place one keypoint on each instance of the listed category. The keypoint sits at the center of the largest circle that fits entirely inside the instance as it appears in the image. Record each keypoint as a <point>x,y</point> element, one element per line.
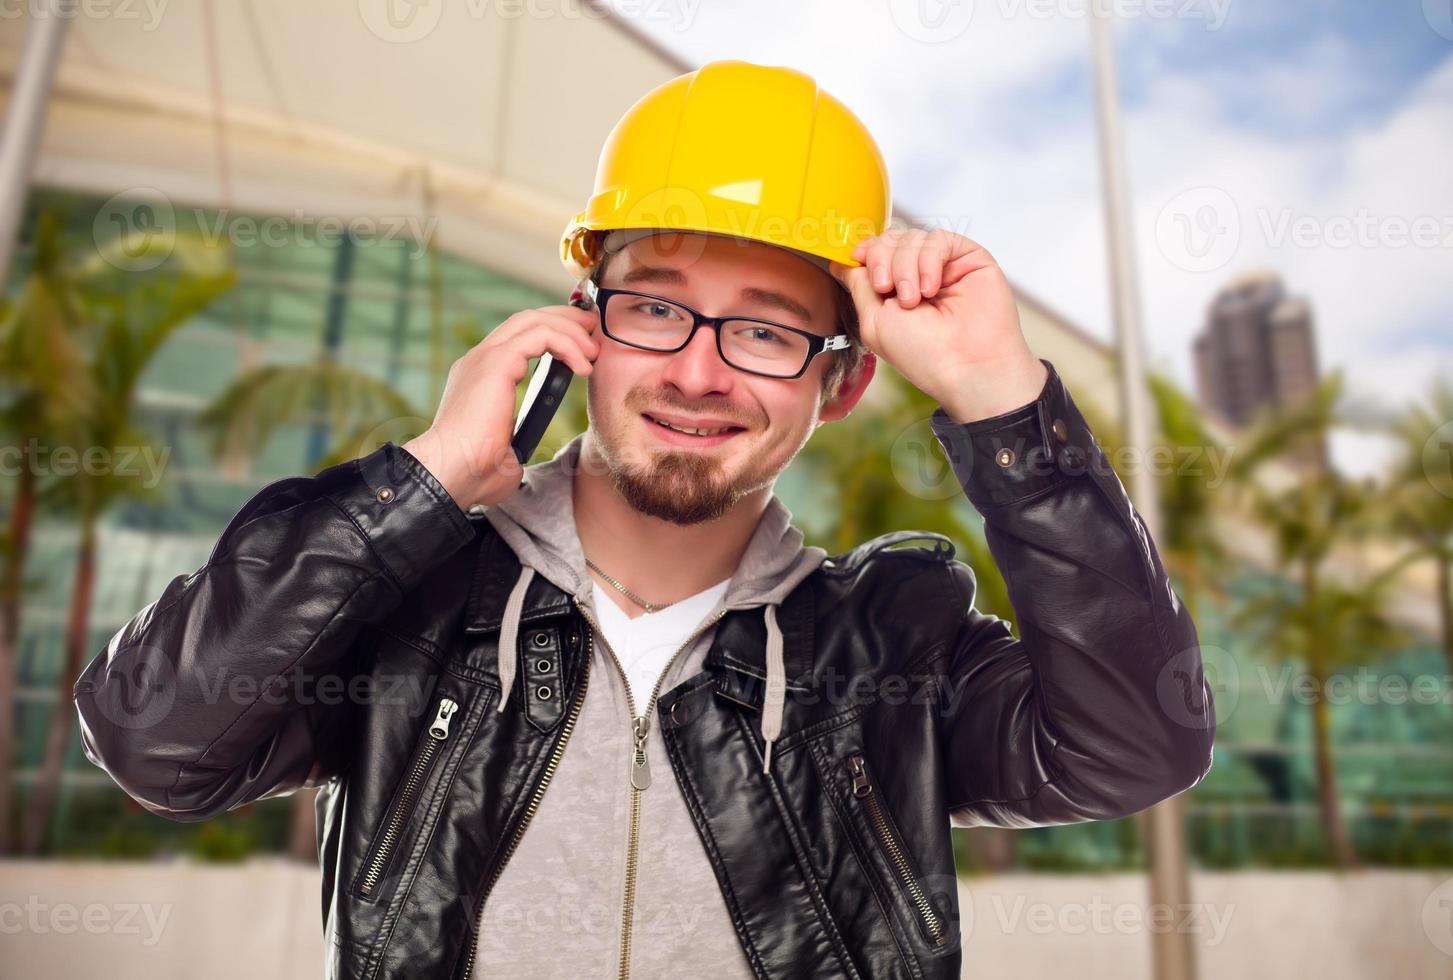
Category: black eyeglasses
<point>654,323</point>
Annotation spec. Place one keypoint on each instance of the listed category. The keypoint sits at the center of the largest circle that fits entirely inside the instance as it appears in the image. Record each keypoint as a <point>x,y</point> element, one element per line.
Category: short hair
<point>845,320</point>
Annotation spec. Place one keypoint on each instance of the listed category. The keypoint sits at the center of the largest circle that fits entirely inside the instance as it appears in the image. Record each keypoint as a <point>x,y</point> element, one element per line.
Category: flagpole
<point>24,119</point>
<point>1163,825</point>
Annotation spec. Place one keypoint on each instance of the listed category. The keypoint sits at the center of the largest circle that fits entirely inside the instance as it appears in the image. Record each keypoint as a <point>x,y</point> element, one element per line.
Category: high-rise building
<point>1256,352</point>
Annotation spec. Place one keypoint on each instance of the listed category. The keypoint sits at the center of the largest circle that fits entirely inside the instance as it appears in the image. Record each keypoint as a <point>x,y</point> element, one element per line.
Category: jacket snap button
<point>542,692</point>
<point>680,713</point>
<point>542,665</point>
<point>1060,431</point>
<point>1004,457</point>
<point>574,638</point>
<point>541,639</point>
<point>385,494</point>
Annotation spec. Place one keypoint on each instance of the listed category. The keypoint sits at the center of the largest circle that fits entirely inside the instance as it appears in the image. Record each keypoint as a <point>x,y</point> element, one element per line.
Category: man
<point>642,729</point>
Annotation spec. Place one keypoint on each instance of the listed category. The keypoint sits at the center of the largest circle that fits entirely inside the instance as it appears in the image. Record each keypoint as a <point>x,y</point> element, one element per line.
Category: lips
<point>685,423</point>
<point>675,438</point>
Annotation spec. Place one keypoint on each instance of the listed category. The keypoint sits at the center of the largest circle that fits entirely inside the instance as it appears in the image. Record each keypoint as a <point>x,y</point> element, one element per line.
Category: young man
<point>619,719</point>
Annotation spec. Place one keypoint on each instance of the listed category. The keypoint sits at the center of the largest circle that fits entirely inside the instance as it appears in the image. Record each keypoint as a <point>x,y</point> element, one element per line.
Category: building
<point>1257,350</point>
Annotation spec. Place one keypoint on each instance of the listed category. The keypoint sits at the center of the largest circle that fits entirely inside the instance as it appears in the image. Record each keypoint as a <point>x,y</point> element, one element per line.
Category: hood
<point>538,523</point>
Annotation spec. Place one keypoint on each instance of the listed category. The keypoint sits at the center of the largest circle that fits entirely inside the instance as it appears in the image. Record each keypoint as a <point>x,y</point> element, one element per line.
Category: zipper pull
<point>440,727</point>
<point>640,765</point>
<point>861,786</point>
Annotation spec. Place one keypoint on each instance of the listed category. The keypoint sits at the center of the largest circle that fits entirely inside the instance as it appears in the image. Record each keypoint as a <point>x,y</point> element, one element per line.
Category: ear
<point>849,390</point>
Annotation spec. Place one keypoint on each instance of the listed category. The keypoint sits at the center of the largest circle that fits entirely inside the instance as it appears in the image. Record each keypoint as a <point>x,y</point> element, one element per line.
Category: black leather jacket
<point>340,615</point>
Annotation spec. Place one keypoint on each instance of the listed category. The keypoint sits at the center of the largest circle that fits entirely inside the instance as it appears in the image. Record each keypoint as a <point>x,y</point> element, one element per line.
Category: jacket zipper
<point>640,775</point>
<point>533,805</point>
<point>424,757</point>
<point>863,790</point>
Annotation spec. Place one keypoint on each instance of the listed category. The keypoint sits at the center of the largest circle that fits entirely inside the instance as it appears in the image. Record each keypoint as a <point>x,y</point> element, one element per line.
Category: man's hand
<point>467,447</point>
<point>948,324</point>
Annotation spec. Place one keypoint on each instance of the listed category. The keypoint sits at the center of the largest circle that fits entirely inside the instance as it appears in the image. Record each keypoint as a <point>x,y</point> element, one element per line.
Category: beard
<point>680,487</point>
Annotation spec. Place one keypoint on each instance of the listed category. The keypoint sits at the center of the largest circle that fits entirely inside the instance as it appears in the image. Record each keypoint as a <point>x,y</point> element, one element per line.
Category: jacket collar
<point>739,643</point>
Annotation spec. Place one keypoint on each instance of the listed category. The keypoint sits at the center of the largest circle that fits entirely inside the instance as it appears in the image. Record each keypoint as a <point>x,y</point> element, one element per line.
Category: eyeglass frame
<point>600,295</point>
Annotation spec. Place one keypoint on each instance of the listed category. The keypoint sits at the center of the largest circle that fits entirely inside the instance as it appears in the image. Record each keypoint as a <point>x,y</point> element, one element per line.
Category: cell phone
<point>543,396</point>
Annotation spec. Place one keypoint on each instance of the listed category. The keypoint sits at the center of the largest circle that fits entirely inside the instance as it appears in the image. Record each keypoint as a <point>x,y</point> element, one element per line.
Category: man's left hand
<point>937,307</point>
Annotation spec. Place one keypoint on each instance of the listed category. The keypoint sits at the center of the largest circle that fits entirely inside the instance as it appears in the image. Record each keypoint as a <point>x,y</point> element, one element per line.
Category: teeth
<point>694,432</point>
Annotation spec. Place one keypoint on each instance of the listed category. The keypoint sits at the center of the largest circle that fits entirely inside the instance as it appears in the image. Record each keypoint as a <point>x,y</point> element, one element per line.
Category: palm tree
<point>1422,500</point>
<point>133,318</point>
<point>43,372</point>
<point>1309,518</point>
<point>356,410</point>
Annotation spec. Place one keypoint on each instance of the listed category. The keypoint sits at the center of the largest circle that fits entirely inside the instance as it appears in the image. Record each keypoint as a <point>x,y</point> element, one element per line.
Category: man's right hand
<point>467,447</point>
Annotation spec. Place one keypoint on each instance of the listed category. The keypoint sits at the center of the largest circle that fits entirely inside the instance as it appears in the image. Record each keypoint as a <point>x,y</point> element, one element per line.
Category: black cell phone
<point>543,397</point>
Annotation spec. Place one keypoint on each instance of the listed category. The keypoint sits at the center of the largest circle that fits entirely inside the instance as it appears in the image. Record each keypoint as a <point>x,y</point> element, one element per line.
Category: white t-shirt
<point>645,644</point>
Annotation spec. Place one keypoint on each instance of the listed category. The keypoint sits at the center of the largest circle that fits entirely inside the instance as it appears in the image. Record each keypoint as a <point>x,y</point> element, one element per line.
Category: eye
<point>653,307</point>
<point>756,333</point>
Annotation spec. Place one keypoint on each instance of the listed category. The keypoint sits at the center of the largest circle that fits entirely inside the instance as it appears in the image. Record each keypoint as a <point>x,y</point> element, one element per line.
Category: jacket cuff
<point>408,517</point>
<point>1023,452</point>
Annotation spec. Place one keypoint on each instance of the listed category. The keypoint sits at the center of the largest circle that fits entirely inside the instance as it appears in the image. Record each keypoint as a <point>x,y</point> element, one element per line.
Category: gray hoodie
<point>556,909</point>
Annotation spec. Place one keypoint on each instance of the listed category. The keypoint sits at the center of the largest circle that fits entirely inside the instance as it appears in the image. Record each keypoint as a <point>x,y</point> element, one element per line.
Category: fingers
<point>915,263</point>
<point>865,296</point>
<point>566,332</point>
<point>577,352</point>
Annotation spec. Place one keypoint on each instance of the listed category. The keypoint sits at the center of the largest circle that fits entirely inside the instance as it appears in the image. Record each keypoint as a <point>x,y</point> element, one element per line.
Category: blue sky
<point>1314,136</point>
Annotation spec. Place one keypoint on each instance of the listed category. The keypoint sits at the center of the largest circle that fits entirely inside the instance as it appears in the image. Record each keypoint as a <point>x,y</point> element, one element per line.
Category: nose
<point>697,369</point>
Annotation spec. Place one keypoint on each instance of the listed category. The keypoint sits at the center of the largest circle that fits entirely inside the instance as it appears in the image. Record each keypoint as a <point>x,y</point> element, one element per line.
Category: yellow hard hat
<point>751,151</point>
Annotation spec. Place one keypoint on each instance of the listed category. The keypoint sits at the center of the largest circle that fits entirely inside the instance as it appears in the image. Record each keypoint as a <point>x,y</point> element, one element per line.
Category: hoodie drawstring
<point>776,686</point>
<point>509,632</point>
<point>772,703</point>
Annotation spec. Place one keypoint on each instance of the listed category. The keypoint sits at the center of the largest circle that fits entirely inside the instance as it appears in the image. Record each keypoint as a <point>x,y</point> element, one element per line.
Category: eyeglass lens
<point>748,344</point>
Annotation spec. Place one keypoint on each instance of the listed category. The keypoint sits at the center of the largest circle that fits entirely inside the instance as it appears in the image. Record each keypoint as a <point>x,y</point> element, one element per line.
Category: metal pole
<point>1163,825</point>
<point>23,121</point>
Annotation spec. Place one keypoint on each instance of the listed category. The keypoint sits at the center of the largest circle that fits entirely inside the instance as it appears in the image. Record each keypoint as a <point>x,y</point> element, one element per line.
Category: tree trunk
<point>1339,843</point>
<point>992,848</point>
<point>22,514</point>
<point>302,839</point>
<point>58,734</point>
<point>1445,602</point>
<point>1333,826</point>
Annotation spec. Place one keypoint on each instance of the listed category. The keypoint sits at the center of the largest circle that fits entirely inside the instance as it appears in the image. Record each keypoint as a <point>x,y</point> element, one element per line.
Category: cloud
<point>1309,137</point>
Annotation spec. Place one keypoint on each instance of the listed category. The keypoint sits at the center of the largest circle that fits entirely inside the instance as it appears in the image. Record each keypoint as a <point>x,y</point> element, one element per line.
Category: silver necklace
<point>648,606</point>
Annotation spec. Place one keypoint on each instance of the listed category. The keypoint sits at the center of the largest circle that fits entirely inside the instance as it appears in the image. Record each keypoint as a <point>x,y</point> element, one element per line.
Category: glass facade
<point>393,312</point>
